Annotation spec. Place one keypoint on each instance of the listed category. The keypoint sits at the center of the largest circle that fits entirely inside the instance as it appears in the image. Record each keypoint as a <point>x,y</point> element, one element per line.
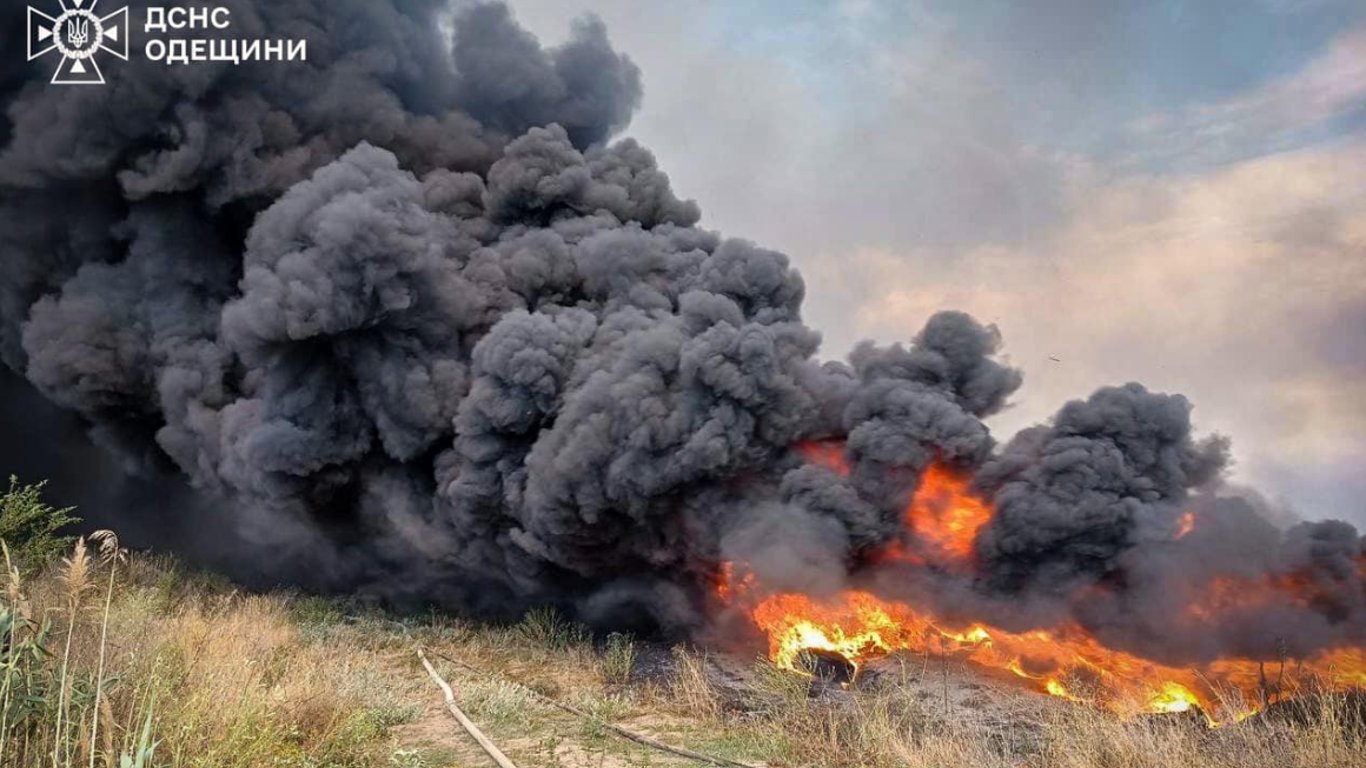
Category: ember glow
<point>940,526</point>
<point>1185,524</point>
<point>828,454</point>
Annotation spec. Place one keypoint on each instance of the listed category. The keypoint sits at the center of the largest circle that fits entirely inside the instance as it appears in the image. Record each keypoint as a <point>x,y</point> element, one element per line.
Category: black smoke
<point>1109,473</point>
<point>406,320</point>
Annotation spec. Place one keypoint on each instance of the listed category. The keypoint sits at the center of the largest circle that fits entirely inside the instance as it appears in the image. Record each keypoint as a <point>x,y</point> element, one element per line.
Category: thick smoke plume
<point>411,323</point>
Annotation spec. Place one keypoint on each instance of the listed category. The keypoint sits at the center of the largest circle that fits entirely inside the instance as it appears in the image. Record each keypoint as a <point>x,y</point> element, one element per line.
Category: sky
<point>1169,192</point>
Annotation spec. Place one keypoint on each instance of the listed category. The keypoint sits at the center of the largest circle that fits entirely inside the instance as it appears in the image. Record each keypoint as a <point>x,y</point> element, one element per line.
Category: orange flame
<point>826,453</point>
<point>945,516</point>
<point>942,522</point>
<point>860,626</point>
<point>1184,525</point>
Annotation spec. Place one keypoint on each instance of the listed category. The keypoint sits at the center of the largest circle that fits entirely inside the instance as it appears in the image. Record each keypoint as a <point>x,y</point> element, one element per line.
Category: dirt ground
<point>997,705</point>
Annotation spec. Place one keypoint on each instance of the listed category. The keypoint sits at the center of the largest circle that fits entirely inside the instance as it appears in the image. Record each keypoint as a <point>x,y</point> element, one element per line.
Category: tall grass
<point>111,555</point>
<point>691,688</point>
<point>75,573</point>
<point>111,660</point>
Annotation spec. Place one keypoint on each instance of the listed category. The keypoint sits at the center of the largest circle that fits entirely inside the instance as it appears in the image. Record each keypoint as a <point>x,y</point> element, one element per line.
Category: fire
<point>726,587</point>
<point>860,626</point>
<point>941,524</point>
<point>1055,688</point>
<point>944,516</point>
<point>1184,525</point>
<point>1174,697</point>
<point>796,623</point>
<point>828,454</point>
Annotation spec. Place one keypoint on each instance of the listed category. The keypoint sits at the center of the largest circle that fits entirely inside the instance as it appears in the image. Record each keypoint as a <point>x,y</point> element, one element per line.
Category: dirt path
<point>531,733</point>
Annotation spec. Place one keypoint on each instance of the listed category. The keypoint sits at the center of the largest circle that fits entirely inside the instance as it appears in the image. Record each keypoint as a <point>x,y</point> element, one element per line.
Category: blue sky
<point>1168,192</point>
<point>1077,73</point>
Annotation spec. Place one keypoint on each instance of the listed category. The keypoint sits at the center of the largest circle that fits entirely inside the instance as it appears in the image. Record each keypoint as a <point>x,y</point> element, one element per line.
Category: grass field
<point>132,661</point>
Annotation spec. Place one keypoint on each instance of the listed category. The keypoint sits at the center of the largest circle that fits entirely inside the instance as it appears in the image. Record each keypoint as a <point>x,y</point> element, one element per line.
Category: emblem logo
<point>77,34</point>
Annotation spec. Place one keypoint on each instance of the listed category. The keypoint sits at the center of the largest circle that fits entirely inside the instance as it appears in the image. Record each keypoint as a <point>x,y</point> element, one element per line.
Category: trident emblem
<point>78,32</point>
<point>78,35</point>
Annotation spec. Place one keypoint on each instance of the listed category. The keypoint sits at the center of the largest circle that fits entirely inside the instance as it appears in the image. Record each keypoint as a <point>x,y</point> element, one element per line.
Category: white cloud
<point>1328,86</point>
<point>1231,288</point>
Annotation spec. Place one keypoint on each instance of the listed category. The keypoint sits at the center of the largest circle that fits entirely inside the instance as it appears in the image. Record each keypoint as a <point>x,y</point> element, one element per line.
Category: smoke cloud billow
<point>411,323</point>
<point>1108,474</point>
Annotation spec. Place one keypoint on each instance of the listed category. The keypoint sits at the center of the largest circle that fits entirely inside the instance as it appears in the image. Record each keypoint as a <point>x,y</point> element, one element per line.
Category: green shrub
<point>32,529</point>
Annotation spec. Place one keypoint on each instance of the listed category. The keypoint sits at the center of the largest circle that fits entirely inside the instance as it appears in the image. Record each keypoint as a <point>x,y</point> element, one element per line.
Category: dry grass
<point>213,677</point>
<point>692,693</point>
<point>224,679</point>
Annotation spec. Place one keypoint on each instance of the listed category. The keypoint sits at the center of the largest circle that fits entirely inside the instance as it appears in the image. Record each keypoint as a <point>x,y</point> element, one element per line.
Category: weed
<point>545,627</point>
<point>618,659</point>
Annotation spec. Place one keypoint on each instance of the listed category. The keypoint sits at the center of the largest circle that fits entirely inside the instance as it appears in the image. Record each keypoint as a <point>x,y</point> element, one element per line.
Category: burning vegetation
<point>940,527</point>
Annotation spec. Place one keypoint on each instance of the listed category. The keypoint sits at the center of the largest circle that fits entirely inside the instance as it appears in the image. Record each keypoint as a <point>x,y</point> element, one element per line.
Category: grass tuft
<point>618,659</point>
<point>545,627</point>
